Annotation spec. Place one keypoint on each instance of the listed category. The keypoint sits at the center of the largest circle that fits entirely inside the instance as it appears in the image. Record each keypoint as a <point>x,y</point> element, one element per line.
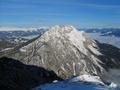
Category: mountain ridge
<point>69,52</point>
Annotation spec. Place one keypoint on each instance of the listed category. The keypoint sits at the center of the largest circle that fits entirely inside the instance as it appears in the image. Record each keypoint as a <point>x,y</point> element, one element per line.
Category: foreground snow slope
<point>84,82</point>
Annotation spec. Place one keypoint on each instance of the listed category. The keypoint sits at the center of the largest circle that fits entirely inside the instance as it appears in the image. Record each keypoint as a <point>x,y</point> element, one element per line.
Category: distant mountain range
<point>21,33</point>
<point>106,35</point>
<point>14,37</point>
<point>105,31</point>
<point>11,38</point>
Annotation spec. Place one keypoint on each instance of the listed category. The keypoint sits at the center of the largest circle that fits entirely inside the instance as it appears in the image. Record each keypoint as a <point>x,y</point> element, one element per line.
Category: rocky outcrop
<point>15,75</point>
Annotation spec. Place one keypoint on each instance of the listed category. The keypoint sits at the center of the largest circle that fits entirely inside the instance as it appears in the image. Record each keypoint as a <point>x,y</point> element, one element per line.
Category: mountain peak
<point>69,34</point>
<point>67,31</point>
<point>69,52</point>
<point>63,47</point>
<point>63,29</point>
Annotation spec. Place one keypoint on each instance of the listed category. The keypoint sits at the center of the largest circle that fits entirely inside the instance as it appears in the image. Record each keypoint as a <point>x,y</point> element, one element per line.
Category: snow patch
<point>87,78</point>
<point>94,50</point>
<point>113,85</point>
<point>6,49</point>
<point>22,50</point>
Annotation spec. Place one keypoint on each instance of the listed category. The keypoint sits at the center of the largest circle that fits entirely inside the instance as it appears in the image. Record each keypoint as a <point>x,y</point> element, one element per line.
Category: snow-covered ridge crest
<point>93,79</point>
<point>87,78</point>
<point>63,29</point>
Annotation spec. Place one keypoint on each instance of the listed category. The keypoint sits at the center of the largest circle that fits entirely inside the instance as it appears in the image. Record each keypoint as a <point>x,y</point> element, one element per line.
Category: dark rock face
<point>110,57</point>
<point>15,75</point>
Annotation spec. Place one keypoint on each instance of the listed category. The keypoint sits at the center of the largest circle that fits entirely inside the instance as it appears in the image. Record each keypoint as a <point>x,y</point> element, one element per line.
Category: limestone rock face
<point>69,52</point>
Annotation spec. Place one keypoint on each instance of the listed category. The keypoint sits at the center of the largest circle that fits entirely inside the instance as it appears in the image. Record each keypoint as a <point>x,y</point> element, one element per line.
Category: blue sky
<point>80,13</point>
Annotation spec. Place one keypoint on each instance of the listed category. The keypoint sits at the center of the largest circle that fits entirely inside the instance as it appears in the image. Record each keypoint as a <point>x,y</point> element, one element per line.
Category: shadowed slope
<point>15,75</point>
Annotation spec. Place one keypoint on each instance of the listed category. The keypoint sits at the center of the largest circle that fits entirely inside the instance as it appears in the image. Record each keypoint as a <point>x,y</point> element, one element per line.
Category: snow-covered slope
<point>83,82</point>
<point>69,52</point>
